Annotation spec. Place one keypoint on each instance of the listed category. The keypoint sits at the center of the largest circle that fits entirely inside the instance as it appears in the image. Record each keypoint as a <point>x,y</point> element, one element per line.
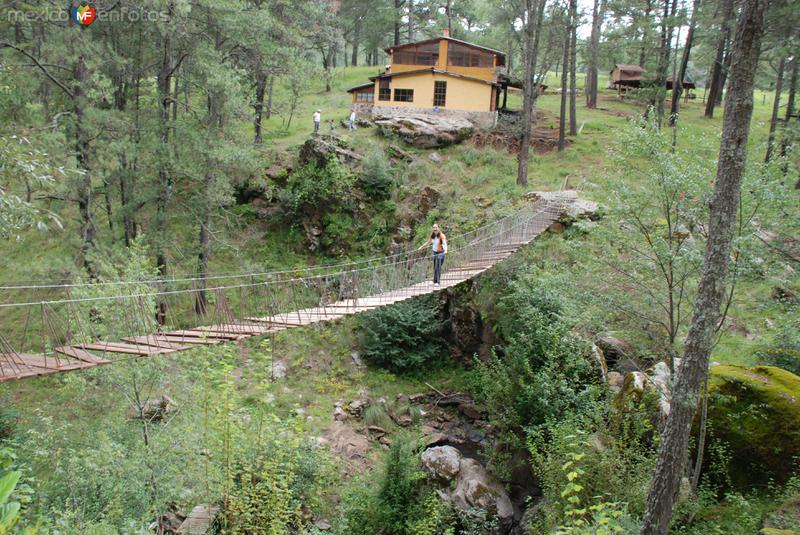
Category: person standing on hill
<point>317,118</point>
<point>438,243</point>
<point>352,124</point>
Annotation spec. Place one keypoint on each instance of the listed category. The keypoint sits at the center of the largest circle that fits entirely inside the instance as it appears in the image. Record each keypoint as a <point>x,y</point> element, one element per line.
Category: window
<point>425,54</point>
<point>404,95</point>
<point>365,95</point>
<point>384,91</point>
<point>464,56</point>
<point>439,93</point>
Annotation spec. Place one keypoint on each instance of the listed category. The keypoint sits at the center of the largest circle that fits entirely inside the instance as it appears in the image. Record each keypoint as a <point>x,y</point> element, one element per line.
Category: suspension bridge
<point>75,326</point>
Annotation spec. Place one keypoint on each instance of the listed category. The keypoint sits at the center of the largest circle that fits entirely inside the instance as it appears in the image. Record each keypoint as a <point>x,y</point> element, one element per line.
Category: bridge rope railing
<point>150,315</point>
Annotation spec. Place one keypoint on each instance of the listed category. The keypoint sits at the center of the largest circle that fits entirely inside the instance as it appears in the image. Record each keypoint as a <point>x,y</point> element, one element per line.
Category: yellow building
<point>437,75</point>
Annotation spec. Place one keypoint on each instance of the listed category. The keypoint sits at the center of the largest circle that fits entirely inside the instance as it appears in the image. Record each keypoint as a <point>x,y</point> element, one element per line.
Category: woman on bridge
<point>438,243</point>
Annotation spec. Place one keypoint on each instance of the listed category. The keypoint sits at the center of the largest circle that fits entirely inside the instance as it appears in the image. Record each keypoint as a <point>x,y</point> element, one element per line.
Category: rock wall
<point>481,119</point>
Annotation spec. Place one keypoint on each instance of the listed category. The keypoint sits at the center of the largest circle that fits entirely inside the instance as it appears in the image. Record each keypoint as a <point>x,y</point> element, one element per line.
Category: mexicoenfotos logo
<point>84,14</point>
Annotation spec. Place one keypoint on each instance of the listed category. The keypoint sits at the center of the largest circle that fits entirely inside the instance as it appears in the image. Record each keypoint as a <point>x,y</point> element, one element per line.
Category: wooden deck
<point>89,355</point>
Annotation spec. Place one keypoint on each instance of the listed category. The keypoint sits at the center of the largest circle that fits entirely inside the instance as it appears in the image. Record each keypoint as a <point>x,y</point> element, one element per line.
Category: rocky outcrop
<point>475,487</point>
<point>347,443</point>
<point>755,412</point>
<point>573,208</point>
<point>442,462</point>
<point>154,410</point>
<point>425,130</point>
<point>467,483</point>
<point>317,149</point>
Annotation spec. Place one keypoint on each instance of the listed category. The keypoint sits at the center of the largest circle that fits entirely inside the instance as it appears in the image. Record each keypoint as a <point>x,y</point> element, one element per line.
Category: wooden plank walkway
<point>88,355</point>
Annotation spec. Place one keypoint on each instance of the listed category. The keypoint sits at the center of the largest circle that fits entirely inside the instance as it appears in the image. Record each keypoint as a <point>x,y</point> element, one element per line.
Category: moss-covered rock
<point>756,413</point>
<point>785,519</point>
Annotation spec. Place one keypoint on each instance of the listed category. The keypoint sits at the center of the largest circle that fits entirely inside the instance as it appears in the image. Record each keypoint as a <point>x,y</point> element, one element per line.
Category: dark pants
<point>438,261</point>
<point>316,126</point>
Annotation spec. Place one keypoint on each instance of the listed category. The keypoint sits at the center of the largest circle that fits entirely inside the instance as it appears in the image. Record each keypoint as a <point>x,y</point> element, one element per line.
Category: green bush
<point>405,336</point>
<point>8,421</point>
<point>377,176</point>
<point>312,188</point>
<point>542,374</point>
<point>784,350</point>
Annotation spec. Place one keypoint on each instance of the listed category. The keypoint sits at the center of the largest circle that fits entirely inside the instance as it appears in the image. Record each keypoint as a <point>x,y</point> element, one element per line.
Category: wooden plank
<point>156,341</point>
<point>127,349</point>
<point>190,340</point>
<point>51,363</point>
<point>199,520</point>
<point>81,354</point>
<point>239,328</point>
<point>196,333</point>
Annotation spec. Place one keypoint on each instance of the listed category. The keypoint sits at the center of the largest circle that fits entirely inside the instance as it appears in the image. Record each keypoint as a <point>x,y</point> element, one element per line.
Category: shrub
<point>398,497</point>
<point>377,176</point>
<point>314,188</point>
<point>8,421</point>
<point>784,351</point>
<point>541,375</point>
<point>405,336</point>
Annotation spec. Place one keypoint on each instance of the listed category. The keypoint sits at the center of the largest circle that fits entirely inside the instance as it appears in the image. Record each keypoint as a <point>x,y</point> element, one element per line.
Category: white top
<point>353,115</point>
<point>435,245</point>
<point>316,116</point>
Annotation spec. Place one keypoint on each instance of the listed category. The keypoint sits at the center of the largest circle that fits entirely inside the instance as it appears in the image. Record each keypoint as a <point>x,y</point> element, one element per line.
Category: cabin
<point>687,84</point>
<point>623,77</point>
<point>441,75</point>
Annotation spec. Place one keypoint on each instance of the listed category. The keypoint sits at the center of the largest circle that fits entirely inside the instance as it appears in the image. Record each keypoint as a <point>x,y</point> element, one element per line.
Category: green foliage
<point>28,168</point>
<point>606,478</point>
<point>377,176</point>
<point>312,188</point>
<point>8,421</point>
<point>405,336</point>
<point>542,374</point>
<point>400,484</point>
<point>784,349</point>
<point>396,502</point>
<point>100,317</point>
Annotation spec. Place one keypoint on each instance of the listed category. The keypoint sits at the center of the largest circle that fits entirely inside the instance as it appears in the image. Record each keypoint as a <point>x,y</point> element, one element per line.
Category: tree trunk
<point>789,106</point>
<point>677,81</point>
<point>261,86</point>
<point>164,80</point>
<point>590,87</point>
<point>356,42</point>
<point>776,108</point>
<point>268,111</point>
<point>663,58</point>
<point>448,11</point>
<point>530,91</point>
<point>722,218</point>
<point>573,59</point>
<point>646,33</point>
<point>410,20</point>
<point>562,119</point>
<point>398,5</point>
<point>83,154</point>
<point>715,90</point>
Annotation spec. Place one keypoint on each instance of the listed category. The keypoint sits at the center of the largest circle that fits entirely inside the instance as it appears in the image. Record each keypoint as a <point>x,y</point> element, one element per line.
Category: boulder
<point>755,412</point>
<point>317,149</point>
<point>475,487</point>
<point>398,154</point>
<point>573,207</point>
<point>442,462</point>
<point>613,348</point>
<point>615,381</point>
<point>346,442</point>
<point>424,130</point>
